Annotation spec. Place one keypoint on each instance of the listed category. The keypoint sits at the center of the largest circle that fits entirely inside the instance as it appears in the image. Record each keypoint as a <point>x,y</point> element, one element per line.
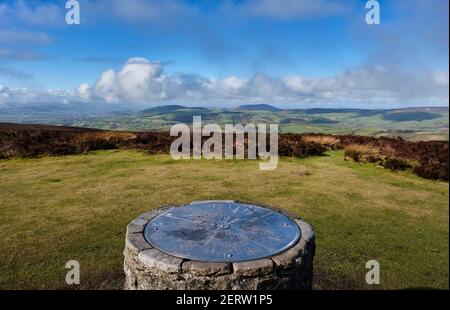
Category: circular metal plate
<point>222,232</point>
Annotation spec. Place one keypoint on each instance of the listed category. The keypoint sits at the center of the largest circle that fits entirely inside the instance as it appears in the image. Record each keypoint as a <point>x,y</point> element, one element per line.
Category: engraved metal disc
<point>222,231</point>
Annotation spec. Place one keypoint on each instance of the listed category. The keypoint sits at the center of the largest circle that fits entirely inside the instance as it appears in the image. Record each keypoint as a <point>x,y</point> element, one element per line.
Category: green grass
<point>55,209</point>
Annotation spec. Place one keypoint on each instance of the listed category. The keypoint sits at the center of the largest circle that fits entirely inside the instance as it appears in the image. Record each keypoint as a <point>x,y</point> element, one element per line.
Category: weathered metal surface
<point>222,232</point>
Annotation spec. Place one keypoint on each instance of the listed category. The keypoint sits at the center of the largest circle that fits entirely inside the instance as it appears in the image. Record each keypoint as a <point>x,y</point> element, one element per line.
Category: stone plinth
<point>149,268</point>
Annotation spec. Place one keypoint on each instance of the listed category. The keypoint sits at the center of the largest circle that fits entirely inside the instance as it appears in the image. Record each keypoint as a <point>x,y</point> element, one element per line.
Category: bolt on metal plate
<point>222,231</point>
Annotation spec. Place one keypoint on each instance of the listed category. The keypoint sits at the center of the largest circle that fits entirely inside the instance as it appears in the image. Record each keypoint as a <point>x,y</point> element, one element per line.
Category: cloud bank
<point>140,82</point>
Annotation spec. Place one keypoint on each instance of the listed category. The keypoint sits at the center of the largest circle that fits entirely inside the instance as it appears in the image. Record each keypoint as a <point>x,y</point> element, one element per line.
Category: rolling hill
<point>425,123</point>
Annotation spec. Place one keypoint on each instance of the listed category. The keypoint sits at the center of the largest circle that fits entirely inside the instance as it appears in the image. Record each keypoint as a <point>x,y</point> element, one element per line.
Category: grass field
<point>55,209</point>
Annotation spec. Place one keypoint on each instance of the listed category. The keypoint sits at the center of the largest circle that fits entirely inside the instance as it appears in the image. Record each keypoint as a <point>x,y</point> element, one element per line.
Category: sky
<point>291,53</point>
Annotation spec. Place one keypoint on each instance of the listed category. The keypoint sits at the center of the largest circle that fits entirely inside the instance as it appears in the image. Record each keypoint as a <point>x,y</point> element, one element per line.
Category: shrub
<point>92,141</point>
<point>294,146</point>
<point>395,164</point>
<point>329,142</point>
<point>363,153</point>
<point>432,169</point>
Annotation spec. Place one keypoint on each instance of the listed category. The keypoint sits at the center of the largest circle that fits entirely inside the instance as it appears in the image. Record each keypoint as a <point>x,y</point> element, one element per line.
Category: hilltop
<point>257,107</point>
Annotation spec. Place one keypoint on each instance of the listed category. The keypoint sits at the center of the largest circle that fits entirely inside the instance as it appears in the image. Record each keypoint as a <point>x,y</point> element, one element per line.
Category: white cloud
<point>286,10</point>
<point>4,93</point>
<point>232,82</point>
<point>300,84</point>
<point>159,12</point>
<point>22,54</point>
<point>15,74</point>
<point>142,82</point>
<point>18,36</point>
<point>106,87</point>
<point>35,13</point>
<point>83,91</point>
<point>24,96</point>
<point>441,78</point>
<point>138,81</point>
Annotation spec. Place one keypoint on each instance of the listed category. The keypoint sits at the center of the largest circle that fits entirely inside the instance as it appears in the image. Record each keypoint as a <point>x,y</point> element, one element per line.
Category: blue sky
<point>298,53</point>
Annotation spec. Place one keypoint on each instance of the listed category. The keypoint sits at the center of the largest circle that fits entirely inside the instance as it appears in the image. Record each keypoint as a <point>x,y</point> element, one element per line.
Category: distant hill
<point>166,108</point>
<point>421,123</point>
<point>72,108</point>
<point>172,108</point>
<point>422,109</point>
<point>258,107</point>
<point>328,111</point>
<point>406,116</point>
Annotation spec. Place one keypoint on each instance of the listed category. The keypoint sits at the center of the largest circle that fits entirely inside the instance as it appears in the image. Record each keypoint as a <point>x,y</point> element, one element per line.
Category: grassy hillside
<point>54,209</point>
